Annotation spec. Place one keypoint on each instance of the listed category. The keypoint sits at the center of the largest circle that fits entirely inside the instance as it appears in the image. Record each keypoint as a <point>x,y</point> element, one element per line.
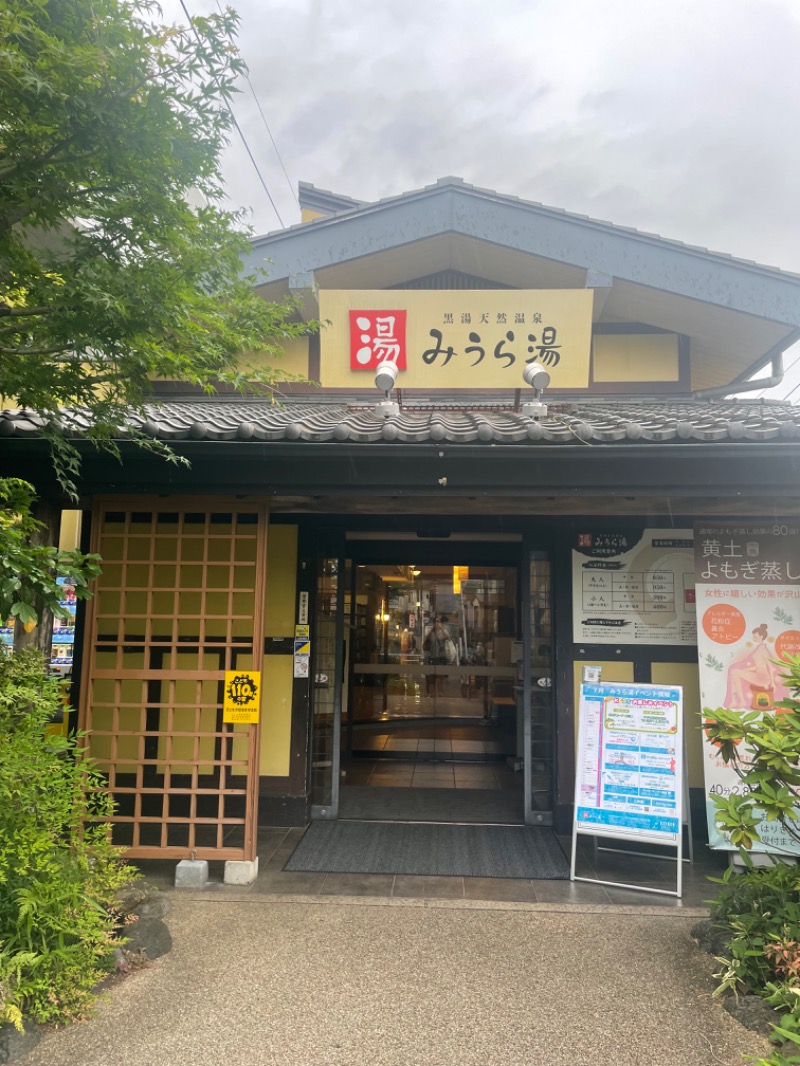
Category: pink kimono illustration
<point>754,680</point>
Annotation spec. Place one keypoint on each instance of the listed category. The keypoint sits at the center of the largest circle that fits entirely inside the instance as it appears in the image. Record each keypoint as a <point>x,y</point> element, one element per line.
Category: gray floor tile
<point>569,892</point>
<point>624,868</point>
<point>630,897</point>
<point>428,887</point>
<point>277,860</point>
<point>268,846</point>
<point>280,882</point>
<point>358,885</point>
<point>497,888</point>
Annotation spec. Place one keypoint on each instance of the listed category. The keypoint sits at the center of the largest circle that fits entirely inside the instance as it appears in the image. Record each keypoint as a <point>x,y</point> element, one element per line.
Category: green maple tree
<point>111,275</point>
<point>111,130</point>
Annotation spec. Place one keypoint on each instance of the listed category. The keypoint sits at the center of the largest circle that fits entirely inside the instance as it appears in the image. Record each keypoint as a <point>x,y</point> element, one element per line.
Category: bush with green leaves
<point>759,908</point>
<point>758,911</point>
<point>59,874</point>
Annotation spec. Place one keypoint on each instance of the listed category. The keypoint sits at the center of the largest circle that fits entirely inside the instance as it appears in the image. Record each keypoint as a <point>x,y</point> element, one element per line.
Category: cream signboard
<point>455,339</point>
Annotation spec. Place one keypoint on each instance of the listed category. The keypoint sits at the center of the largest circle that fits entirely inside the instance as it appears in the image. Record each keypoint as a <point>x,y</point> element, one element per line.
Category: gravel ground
<point>347,982</point>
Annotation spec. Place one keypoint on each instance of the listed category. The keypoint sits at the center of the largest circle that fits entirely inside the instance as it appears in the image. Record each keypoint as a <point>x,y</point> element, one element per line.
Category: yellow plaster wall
<point>687,675</point>
<point>293,361</point>
<point>619,357</point>
<point>70,534</point>
<point>684,674</point>
<point>277,679</point>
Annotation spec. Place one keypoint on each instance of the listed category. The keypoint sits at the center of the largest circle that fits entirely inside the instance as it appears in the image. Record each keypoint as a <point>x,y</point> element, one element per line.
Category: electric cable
<point>239,130</point>
<point>267,128</point>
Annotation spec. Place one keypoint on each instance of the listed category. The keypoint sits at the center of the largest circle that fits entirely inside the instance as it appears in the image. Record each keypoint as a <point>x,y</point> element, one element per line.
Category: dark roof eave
<point>697,470</point>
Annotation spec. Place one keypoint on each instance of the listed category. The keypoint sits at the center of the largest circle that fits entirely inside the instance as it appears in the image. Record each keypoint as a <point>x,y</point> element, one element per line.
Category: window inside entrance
<point>432,721</point>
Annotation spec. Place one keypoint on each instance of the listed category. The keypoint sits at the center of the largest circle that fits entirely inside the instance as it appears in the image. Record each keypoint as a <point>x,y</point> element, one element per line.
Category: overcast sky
<point>680,117</point>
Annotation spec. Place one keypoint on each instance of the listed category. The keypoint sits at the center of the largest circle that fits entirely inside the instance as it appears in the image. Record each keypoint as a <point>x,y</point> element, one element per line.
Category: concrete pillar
<point>191,873</point>
<point>240,871</point>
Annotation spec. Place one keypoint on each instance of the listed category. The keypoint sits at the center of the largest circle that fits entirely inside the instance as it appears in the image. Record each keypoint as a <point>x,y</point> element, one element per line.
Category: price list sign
<point>634,587</point>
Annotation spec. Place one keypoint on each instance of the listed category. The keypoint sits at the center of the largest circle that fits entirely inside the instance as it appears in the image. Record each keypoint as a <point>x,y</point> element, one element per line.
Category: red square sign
<point>377,337</point>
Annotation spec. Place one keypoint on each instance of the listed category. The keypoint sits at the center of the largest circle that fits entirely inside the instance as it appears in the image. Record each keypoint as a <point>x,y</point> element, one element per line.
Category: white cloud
<point>676,116</point>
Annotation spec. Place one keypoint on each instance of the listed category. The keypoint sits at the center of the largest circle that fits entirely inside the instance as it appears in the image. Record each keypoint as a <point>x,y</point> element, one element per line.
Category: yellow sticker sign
<point>242,698</point>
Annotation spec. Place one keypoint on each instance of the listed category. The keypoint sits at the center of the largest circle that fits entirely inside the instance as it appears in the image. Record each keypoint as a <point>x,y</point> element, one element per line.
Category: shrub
<point>759,908</point>
<point>759,911</point>
<point>59,875</point>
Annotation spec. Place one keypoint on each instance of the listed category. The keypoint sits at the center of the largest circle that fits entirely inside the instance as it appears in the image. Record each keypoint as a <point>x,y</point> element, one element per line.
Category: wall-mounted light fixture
<point>537,377</point>
<point>385,377</point>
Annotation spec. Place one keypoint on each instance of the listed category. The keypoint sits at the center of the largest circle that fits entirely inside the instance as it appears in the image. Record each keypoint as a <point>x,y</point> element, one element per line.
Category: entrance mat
<point>430,850</point>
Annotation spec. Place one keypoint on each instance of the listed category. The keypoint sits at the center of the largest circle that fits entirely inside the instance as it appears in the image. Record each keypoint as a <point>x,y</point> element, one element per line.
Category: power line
<point>236,124</point>
<point>267,128</point>
<point>274,145</point>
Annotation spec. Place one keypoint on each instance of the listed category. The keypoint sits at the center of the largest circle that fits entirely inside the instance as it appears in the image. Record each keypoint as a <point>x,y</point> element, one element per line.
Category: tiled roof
<point>593,422</point>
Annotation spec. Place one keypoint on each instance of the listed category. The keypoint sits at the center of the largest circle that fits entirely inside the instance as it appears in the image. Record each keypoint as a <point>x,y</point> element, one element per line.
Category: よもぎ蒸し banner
<point>747,581</point>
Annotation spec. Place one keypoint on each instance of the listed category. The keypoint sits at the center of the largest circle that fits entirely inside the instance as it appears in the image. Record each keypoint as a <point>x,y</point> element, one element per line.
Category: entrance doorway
<point>432,683</point>
<point>431,726</point>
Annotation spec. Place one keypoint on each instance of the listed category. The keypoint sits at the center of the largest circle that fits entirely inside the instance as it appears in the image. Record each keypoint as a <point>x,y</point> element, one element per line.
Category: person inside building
<point>439,650</point>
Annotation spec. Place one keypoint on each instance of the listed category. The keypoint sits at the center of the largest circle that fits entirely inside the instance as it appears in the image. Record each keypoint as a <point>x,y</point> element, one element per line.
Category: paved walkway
<point>257,980</point>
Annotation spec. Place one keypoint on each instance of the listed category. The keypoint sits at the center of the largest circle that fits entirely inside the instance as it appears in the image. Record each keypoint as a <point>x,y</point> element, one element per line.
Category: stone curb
<point>617,909</point>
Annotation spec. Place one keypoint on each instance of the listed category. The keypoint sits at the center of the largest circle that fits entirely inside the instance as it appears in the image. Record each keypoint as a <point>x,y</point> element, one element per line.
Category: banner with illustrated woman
<point>747,580</point>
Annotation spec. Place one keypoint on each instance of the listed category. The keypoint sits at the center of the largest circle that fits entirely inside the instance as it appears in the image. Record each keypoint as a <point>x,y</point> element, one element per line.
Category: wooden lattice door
<point>180,601</point>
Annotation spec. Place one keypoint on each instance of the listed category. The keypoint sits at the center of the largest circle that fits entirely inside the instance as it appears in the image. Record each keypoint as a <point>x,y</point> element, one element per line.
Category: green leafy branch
<point>764,751</point>
<point>29,571</point>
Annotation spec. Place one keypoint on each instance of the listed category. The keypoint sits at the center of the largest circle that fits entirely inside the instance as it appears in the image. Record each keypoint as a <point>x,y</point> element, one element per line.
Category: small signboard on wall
<point>634,587</point>
<point>302,657</point>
